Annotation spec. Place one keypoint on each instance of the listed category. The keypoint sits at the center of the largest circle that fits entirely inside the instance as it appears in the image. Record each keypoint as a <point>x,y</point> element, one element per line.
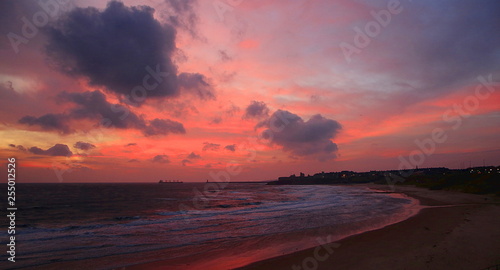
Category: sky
<point>239,90</point>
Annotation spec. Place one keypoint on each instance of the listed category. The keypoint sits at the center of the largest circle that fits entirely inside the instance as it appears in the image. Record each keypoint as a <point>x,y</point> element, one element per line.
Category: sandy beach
<point>453,231</point>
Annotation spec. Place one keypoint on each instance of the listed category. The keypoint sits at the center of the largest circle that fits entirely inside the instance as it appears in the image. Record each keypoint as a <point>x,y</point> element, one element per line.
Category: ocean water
<point>186,226</point>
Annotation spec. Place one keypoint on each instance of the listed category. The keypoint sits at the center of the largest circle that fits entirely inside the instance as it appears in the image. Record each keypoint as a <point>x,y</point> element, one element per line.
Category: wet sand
<point>453,231</point>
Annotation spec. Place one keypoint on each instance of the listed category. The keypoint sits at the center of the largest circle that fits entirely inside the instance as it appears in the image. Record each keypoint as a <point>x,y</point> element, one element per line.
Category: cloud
<point>129,52</point>
<point>193,156</point>
<point>163,127</point>
<point>224,56</point>
<point>20,97</point>
<point>133,160</point>
<point>114,47</point>
<point>130,144</point>
<point>231,147</point>
<point>256,109</point>
<point>47,122</point>
<point>216,120</point>
<point>83,146</point>
<point>94,106</point>
<point>160,159</point>
<point>181,14</point>
<point>18,147</point>
<point>210,146</point>
<point>232,110</point>
<point>302,138</point>
<point>181,6</point>
<point>56,150</point>
<point>196,84</point>
<point>189,158</point>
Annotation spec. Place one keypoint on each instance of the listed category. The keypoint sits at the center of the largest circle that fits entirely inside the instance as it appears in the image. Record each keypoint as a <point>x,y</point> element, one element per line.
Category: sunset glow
<point>271,87</point>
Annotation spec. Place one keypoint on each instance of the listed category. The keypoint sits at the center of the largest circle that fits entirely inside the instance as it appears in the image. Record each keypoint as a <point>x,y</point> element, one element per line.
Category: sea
<point>187,225</point>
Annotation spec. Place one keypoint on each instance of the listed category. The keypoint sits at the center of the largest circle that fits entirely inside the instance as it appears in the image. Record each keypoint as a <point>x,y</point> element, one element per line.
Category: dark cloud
<point>216,120</point>
<point>160,159</point>
<point>302,138</point>
<point>210,146</point>
<point>83,146</point>
<point>256,109</point>
<point>130,144</point>
<point>18,147</point>
<point>231,147</point>
<point>189,158</point>
<point>133,160</point>
<point>114,47</point>
<point>94,106</point>
<point>178,108</point>
<point>181,14</point>
<point>226,111</point>
<point>193,155</point>
<point>224,56</point>
<point>163,127</point>
<point>232,110</point>
<point>56,150</point>
<point>126,50</point>
<point>196,84</point>
<point>47,122</point>
<point>181,6</point>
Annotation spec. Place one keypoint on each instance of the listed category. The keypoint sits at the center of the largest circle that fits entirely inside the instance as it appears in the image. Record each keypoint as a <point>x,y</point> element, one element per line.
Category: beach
<point>254,226</point>
<point>453,231</point>
<point>232,134</point>
<point>142,226</point>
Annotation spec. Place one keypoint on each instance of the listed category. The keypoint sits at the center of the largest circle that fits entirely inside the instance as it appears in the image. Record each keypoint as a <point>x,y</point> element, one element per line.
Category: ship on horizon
<point>170,182</point>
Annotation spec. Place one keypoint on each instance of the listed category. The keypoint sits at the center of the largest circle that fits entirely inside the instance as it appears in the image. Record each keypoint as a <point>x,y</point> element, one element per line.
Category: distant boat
<point>170,182</point>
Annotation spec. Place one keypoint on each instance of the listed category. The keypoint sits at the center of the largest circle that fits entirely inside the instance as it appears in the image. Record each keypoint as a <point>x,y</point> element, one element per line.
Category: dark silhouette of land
<point>479,180</point>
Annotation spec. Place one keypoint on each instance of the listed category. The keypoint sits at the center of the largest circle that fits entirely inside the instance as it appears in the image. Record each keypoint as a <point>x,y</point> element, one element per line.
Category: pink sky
<point>418,74</point>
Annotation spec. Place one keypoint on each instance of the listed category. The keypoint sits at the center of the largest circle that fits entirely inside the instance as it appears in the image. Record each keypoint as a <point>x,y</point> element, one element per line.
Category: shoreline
<point>453,230</point>
<point>272,247</point>
<point>231,255</point>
